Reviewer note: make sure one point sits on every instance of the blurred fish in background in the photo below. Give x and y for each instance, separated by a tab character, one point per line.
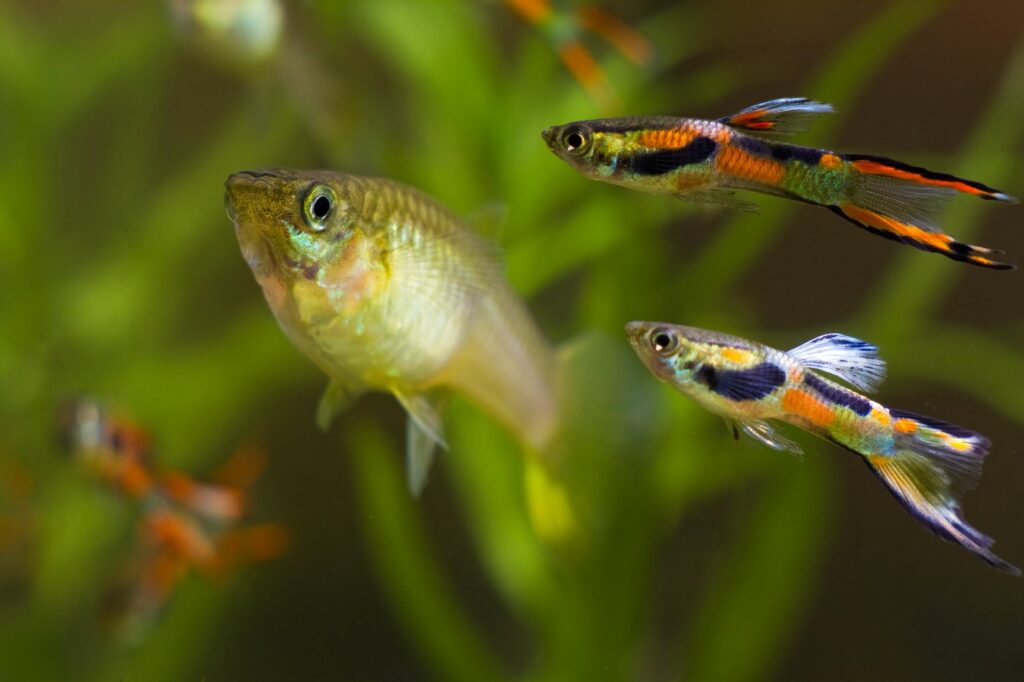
239	31
185	525
254	39
565	29
17	524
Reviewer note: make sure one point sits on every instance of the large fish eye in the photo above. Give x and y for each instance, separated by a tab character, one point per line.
318	206
663	341
576	139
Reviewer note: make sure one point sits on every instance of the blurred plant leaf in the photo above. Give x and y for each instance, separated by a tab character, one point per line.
409	576
748	612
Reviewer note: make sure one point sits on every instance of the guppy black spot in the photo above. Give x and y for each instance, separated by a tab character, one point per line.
707	375
667	160
745	384
311	271
785	152
755	146
838	396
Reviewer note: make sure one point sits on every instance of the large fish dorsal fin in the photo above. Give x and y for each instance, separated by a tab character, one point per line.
786	116
852	360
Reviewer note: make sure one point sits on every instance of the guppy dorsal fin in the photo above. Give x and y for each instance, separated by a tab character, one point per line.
785	116
852	360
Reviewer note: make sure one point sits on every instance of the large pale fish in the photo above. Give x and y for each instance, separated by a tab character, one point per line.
386	290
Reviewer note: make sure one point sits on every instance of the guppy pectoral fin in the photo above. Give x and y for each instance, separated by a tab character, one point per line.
336	398
734	429
423	432
785	116
718	197
763	432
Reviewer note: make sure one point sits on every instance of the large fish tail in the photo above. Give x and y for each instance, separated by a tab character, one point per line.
507	367
903	203
933	461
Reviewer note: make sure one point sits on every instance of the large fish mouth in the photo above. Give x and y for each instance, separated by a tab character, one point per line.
247	184
246	193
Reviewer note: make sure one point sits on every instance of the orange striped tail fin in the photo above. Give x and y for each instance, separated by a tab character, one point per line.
932	462
879	165
903	203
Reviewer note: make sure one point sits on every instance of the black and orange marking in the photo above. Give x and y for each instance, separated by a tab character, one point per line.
936	242
879	165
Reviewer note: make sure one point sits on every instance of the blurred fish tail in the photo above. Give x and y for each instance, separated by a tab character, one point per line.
931	463
508	368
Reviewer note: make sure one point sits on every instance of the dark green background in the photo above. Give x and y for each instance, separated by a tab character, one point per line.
694	557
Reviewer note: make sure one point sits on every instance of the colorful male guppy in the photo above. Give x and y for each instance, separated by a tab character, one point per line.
924	462
384	289
702	161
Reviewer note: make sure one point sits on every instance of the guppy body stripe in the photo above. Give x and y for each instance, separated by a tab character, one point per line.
729	159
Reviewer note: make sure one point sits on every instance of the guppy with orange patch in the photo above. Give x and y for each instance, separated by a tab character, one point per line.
924	462
703	160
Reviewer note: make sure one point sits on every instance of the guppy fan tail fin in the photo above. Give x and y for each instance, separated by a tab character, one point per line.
934	462
904	203
785	116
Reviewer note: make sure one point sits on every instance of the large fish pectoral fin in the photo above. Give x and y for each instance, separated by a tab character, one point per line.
336	398
765	433
424	432
420	448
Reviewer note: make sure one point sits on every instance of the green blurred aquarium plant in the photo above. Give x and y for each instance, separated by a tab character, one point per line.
655	548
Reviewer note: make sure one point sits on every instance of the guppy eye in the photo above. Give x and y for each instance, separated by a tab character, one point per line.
663	341
575	139
317	207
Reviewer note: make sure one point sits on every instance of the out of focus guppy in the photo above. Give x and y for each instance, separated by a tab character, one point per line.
924	462
385	290
703	161
185	524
